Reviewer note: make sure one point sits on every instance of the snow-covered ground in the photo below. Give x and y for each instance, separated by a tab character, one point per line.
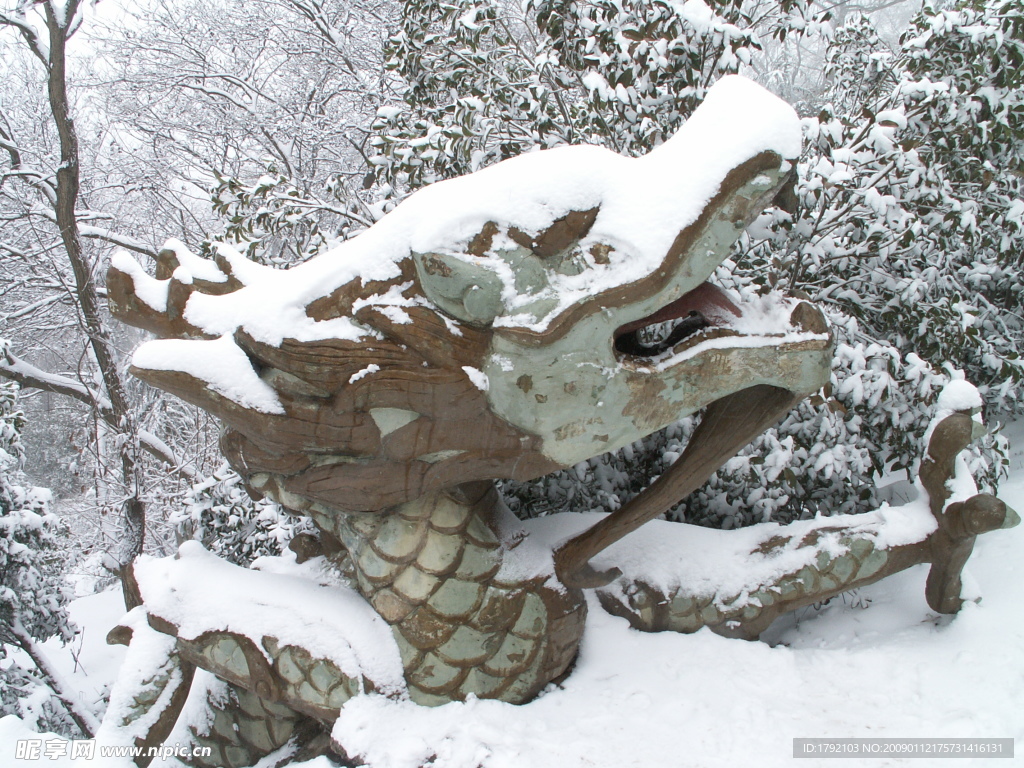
891	669
883	666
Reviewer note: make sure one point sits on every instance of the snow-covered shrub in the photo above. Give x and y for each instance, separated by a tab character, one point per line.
909	214
644	67
33	594
482	82
906	230
224	517
275	223
828	454
472	98
24	694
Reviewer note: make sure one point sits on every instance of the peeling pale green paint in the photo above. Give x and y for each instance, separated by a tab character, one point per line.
226	653
681	604
480	683
513	656
375	568
480	532
254	732
860	548
439	552
338	697
436	456
612	403
287	668
531	621
414	584
390	419
323	675
424	699
710	614
843	568
224	726
622	401
397	539
448	515
468	647
456	598
307	692
476	563
809	578
410	654
448	281
872	563
788	588
434	672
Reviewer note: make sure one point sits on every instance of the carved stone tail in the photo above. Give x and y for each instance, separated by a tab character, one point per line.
847	554
961	522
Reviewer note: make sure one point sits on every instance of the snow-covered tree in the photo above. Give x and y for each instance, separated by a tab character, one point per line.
47	233
265	104
33	593
909	215
904	231
481	82
70	187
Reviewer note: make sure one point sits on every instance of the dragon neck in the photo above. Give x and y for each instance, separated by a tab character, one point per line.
432	569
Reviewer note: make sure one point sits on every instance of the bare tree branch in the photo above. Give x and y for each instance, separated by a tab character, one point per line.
31	377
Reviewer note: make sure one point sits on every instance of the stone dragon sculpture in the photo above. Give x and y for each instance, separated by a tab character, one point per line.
489	328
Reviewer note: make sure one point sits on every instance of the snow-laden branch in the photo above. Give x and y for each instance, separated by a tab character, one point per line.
313	10
218	93
33	306
32	176
100	233
109	236
16	18
28	375
44	182
84	719
26	255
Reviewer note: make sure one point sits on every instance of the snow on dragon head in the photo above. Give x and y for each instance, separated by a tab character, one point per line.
491	326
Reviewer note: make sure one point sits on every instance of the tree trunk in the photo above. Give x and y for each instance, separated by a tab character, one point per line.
59	27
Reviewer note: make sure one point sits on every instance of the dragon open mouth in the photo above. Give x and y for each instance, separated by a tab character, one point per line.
707	309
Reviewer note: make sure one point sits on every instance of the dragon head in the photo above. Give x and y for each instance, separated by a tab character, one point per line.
491	326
